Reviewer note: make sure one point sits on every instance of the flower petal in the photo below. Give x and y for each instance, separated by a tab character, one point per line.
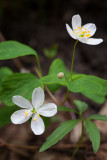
94	41
76	21
37	125
70	31
21	116
90	27
37	97
82	39
21	102
47	110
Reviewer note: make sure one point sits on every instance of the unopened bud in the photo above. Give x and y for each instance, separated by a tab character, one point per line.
60	75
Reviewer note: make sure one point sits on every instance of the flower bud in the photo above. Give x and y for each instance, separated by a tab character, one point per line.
60	75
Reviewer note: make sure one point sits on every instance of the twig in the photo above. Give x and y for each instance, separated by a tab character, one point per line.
18	151
48	91
13	148
52	96
63	146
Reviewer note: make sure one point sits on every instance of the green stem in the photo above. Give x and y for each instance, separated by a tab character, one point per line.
67	92
80	141
66	97
38	63
73	59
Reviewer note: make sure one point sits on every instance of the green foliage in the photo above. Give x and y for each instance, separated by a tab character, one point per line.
66	109
51	52
92	87
94	134
46	121
18	84
82	106
5	114
58	66
98	98
58	134
53	87
52	79
4	72
13	49
98	117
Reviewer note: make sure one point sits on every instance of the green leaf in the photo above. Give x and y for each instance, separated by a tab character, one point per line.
92	87
58	134
52	78
58	66
88	84
66	109
51	52
18	84
98	117
53	87
82	106
4	71
13	49
95	97
46	121
94	134
5	114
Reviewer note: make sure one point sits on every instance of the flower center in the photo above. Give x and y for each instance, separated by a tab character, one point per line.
82	33
34	110
26	113
38	115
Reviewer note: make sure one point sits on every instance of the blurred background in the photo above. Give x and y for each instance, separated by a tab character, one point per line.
41	24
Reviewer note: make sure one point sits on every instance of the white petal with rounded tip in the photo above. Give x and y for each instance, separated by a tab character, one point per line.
94	41
70	31
76	21
37	97
47	110
37	125
90	27
20	117
21	102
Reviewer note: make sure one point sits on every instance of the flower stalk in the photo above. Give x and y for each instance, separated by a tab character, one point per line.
73	59
81	138
39	66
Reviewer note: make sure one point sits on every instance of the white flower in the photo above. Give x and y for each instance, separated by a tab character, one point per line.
83	33
35	110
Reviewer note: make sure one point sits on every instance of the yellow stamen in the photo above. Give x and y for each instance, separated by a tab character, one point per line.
34	112
81	33
34	119
79	27
26	113
38	115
